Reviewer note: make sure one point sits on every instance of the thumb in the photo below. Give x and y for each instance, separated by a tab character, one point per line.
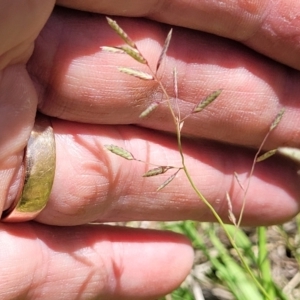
21	23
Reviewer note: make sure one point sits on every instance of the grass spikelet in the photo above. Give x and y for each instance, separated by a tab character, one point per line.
175	79
292	153
164	49
209	99
112	49
181	125
124	36
231	216
136	73
274	124
175	84
266	155
167	181
135	54
277	119
149	109
236	176
157	171
119	151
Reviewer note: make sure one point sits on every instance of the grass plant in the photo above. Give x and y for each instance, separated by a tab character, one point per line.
245	273
217	273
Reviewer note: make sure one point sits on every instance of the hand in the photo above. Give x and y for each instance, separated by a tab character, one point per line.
79	85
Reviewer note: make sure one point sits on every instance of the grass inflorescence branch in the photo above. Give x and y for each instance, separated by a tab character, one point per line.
132	50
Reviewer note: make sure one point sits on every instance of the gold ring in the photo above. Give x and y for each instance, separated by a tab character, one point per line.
39	168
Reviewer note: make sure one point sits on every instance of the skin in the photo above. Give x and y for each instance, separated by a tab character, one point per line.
51	61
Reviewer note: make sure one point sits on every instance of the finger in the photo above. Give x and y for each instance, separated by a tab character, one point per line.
267	27
21	22
106	187
79	82
18	103
106	262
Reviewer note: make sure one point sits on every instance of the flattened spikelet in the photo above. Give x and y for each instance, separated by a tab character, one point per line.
266	155
164	49
175	78
236	175
231	216
292	153
112	49
181	125
135	54
277	119
209	99
136	73
157	171
149	109
166	182
124	36
119	151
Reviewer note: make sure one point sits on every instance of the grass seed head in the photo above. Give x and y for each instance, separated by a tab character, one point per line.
266	155
124	36
175	79
119	151
136	73
164	49
165	183
135	54
112	49
157	171
208	100
149	109
277	119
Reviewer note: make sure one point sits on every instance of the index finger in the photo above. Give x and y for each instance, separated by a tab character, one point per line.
265	26
77	81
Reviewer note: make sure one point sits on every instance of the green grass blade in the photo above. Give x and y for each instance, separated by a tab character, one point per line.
264	263
234	275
